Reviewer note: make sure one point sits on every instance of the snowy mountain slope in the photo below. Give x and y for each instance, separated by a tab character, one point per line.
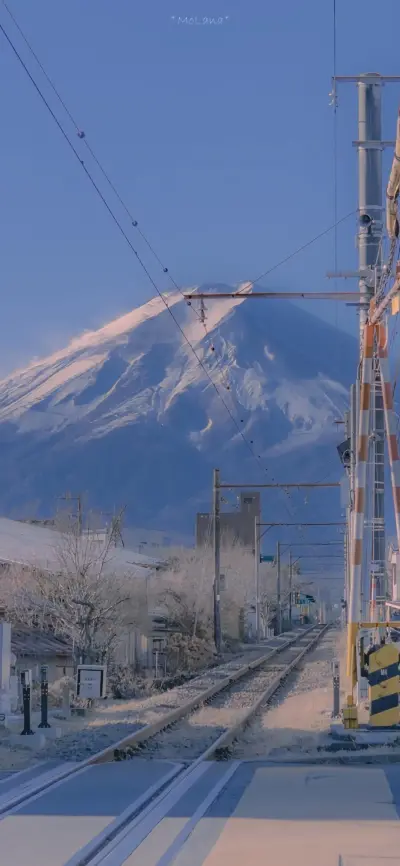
129	415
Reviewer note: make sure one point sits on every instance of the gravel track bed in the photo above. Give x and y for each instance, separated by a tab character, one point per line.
296	721
117	721
188	738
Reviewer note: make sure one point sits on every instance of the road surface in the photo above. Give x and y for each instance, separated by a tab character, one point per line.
236	812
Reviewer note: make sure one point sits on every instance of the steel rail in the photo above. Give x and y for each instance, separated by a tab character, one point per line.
106	842
179	713
10	801
227	738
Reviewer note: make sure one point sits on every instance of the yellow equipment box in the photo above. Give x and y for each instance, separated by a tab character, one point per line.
350	717
384	683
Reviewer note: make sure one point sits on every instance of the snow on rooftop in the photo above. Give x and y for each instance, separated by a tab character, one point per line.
36	546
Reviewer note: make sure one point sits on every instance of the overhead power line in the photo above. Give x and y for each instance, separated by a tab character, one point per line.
127	240
300	249
134	222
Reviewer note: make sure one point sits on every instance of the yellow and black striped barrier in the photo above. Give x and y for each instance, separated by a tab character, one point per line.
384	683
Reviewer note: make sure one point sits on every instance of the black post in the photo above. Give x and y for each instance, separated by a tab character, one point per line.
26	699
44	695
336	689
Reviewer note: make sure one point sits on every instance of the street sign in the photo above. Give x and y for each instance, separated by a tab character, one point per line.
264	558
302	599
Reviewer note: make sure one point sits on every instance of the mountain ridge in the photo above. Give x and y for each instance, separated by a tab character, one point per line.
128	414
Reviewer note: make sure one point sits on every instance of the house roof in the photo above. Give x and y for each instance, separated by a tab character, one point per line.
36	546
33	642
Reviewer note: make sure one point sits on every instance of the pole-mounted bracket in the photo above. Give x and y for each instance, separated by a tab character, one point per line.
373	145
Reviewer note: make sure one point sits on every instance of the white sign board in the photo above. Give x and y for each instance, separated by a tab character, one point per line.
91	681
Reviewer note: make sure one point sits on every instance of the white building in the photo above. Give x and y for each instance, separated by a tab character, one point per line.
36	546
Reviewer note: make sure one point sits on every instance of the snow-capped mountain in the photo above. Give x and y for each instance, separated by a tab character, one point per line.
128	413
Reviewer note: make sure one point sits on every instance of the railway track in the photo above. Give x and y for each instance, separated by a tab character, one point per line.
237	696
211	728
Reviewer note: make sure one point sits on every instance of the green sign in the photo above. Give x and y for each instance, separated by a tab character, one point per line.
264	558
303	599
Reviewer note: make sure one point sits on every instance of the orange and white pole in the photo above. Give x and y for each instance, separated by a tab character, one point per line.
390	422
359	500
393	187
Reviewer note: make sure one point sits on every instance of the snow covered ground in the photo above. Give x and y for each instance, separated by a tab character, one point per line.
110	722
295	722
298	718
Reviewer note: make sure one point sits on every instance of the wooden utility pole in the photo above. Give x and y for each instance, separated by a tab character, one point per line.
217	558
278	589
78	499
257	575
216	526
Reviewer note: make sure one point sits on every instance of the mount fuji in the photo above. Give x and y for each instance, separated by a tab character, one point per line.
127	414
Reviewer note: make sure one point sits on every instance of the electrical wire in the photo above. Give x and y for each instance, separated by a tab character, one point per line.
335	165
105	174
298	250
134	222
128	241
82	136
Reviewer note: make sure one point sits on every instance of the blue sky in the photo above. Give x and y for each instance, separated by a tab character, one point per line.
219	137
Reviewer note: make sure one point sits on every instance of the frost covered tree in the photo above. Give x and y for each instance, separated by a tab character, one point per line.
185	588
82	599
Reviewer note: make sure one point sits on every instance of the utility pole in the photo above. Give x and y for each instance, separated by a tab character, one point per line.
216	524
217	558
290	588
278	589
370	262
257	575
78	499
369	240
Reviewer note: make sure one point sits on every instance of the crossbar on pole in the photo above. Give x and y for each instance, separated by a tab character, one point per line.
268	486
283	296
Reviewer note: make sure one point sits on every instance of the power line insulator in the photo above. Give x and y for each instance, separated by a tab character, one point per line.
134	223
80	133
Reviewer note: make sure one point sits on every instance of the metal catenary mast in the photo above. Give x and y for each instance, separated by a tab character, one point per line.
372	275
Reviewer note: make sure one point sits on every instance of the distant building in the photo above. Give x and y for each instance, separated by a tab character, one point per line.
35	546
151	542
238	524
33	648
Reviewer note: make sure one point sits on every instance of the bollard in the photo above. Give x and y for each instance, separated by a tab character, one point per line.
44	697
26	701
336	688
